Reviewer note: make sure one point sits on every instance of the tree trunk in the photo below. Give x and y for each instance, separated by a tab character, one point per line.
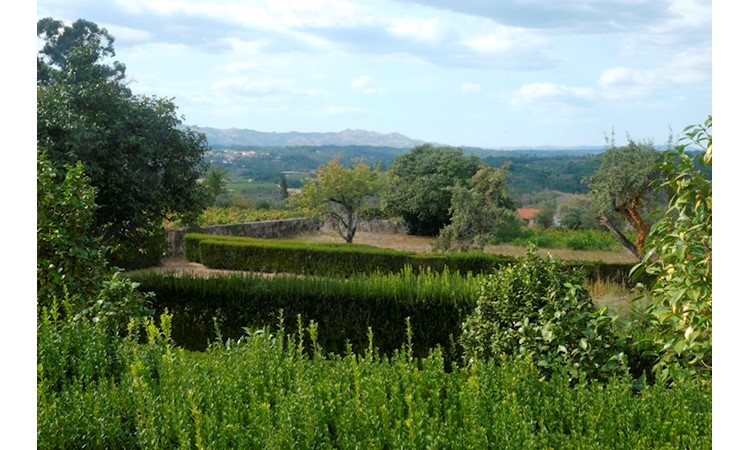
640	226
620	237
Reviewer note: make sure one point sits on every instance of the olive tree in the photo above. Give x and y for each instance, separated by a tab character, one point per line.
478	212
340	193
622	186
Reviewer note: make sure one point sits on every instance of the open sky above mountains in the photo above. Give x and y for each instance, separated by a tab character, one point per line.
475	72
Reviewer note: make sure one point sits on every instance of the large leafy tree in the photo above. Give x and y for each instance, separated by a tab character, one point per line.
339	193
420	188
622	188
62	48
144	166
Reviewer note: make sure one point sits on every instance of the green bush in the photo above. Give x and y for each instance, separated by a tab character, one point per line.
73	277
267	391
536	309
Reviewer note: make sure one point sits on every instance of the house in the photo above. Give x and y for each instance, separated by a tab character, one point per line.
528	215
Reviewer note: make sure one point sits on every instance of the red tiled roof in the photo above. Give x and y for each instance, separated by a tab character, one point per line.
527	213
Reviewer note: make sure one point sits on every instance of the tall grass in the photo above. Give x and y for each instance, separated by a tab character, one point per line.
617	297
268	392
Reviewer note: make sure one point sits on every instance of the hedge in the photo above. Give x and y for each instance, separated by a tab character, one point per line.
283	256
435	303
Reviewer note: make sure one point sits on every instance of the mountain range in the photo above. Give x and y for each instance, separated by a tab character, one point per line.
244	137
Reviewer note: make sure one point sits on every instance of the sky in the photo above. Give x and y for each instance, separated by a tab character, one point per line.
492	74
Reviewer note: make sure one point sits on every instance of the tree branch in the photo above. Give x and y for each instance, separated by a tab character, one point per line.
620	236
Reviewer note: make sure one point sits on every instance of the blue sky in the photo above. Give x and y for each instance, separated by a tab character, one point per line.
470	73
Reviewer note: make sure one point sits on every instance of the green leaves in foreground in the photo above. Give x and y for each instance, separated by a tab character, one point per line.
678	307
267	391
537	309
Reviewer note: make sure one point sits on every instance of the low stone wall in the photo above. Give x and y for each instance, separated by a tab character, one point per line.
373	226
266	229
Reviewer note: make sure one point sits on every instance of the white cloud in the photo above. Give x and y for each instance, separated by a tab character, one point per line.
365	84
431	30
246	87
551	94
683	69
469	88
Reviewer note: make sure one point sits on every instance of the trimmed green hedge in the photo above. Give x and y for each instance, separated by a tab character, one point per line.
282	256
436	304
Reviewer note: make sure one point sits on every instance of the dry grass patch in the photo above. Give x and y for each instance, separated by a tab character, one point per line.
423	244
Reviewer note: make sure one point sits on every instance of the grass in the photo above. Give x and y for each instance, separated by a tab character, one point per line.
616	297
423	244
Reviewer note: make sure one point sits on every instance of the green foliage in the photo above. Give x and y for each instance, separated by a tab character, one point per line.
533	172
478	212
66	45
70	259
577	214
144	166
623	186
216	181
340	193
535	309
545	217
560	238
73	280
678	305
419	191
269	391
216	215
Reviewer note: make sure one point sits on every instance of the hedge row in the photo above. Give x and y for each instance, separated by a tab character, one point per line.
436	304
281	256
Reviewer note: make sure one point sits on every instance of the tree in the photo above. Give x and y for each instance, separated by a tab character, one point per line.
576	214
478	212
63	46
144	166
420	186
545	217
216	181
678	255
623	185
340	193
283	186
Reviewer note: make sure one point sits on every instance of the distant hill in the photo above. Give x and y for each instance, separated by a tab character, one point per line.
251	138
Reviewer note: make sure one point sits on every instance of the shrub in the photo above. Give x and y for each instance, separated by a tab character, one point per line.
73	277
536	309
677	308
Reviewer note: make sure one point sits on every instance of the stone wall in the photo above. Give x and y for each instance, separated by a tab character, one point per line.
373	226
266	229
275	229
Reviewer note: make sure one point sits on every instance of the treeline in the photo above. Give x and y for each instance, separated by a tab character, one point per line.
527	173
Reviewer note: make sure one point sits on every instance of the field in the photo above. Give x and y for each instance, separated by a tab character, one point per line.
423	244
